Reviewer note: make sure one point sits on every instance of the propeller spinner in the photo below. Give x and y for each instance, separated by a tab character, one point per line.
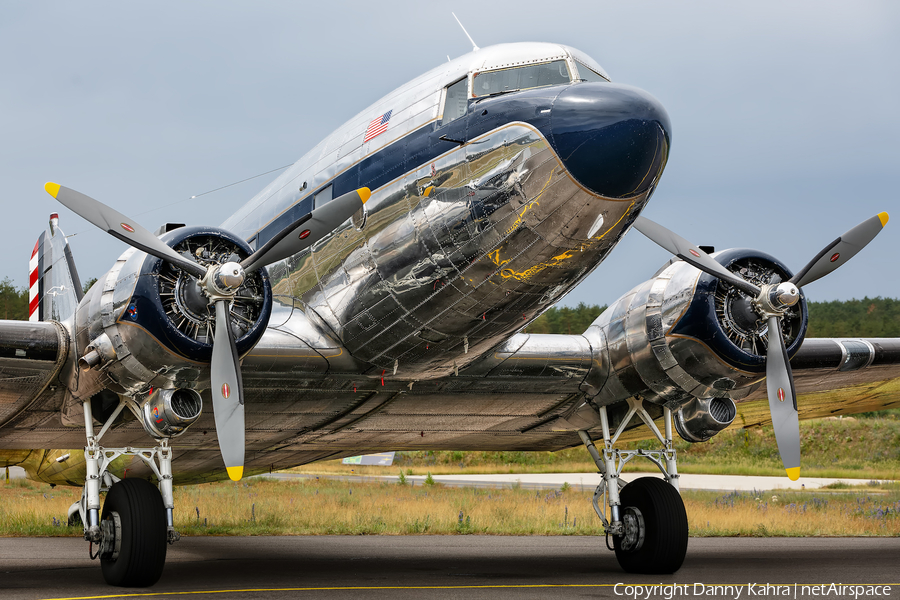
769	303
219	284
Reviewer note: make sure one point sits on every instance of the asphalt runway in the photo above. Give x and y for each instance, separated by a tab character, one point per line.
447	567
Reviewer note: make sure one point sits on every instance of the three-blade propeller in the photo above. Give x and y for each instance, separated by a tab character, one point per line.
220	283
769	302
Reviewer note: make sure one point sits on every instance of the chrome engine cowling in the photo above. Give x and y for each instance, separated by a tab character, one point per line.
147	324
685	335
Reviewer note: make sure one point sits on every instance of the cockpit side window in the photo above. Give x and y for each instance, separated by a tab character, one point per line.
455	100
588	74
520	78
323	197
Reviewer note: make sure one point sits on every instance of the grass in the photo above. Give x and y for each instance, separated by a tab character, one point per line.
852	448
866	512
319	507
867	448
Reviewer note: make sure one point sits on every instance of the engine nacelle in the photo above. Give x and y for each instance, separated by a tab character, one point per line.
147	324
685	336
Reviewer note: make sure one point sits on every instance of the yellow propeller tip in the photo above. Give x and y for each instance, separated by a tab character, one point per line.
52	188
364	193
883	217
793	473
235	473
428	190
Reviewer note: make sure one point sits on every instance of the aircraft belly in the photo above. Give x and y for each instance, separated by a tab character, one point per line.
505	401
457	255
287	426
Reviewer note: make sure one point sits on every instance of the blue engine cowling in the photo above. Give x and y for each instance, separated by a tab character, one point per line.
685	335
149	324
721	316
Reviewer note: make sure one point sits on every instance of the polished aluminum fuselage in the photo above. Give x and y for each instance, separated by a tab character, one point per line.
457	252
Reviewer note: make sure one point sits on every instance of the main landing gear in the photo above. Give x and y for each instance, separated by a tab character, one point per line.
646	517
131	534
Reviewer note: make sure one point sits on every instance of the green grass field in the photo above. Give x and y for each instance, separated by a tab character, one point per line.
320	507
866	447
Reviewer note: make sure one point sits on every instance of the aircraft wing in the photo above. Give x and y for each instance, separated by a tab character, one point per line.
305	402
836	377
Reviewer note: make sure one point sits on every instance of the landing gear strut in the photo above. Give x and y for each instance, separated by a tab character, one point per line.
131	533
646	517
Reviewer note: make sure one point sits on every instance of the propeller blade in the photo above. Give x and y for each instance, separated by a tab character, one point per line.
227	394
840	250
118	225
783	401
313	227
691	254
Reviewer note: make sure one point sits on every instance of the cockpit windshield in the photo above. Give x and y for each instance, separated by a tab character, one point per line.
520	78
588	74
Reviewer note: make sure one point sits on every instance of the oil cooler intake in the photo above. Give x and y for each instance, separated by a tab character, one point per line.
167	413
702	418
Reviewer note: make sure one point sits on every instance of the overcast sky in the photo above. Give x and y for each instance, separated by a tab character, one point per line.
785	115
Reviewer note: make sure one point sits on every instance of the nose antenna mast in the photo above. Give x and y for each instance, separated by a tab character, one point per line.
474	45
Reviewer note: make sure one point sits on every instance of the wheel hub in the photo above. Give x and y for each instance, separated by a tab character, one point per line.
633	521
111	543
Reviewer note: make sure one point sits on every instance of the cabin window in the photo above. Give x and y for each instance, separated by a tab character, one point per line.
455	101
520	78
588	74
322	198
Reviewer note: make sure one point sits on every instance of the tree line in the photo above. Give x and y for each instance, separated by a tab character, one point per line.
14	301
869	317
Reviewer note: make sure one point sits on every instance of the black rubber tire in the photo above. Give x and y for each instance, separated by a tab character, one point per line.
666	528
142	554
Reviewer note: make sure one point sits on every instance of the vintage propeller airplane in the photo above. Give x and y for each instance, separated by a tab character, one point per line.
371	298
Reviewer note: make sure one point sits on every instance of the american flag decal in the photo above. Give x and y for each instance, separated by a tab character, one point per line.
378	126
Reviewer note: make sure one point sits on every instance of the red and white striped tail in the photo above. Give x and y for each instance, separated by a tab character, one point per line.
53	287
34	283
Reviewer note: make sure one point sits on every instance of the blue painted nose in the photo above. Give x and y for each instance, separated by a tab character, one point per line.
614	139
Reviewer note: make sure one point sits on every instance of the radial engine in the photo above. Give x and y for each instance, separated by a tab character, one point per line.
146	312
689	341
